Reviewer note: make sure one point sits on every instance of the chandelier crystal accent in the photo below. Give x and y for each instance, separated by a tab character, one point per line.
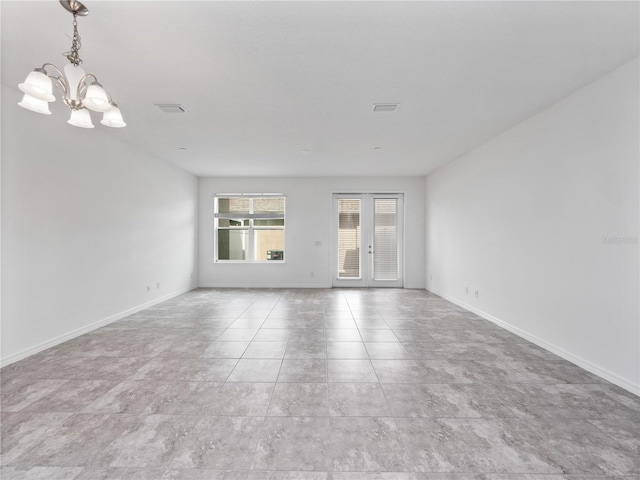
80	91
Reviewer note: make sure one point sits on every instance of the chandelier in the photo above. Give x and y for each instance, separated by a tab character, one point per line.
80	91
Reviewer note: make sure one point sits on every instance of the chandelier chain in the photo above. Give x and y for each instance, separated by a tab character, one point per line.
74	54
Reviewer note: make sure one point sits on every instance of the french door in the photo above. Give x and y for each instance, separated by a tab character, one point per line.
367	240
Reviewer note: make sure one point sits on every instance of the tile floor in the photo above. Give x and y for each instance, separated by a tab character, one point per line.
311	385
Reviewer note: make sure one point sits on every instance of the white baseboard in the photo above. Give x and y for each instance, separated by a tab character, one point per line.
581	362
27	352
260	285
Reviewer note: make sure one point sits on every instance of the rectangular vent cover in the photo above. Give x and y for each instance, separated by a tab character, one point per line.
171	108
385	107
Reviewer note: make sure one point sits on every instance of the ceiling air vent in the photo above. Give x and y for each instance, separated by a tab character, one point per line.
385	107
171	108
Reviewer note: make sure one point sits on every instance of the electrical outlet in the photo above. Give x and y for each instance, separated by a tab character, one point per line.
477	294
158	285
148	288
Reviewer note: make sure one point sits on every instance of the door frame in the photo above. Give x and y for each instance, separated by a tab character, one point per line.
366	238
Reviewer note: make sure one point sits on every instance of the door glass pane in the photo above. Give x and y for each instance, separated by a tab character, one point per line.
232	244
348	238
269	244
385	239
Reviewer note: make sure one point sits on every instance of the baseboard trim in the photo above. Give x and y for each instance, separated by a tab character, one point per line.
27	352
575	359
260	285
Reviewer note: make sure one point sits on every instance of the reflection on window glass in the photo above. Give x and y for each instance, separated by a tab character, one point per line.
272	222
267	242
233	205
225	222
268	205
232	244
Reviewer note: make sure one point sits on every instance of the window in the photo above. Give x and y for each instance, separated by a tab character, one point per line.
249	228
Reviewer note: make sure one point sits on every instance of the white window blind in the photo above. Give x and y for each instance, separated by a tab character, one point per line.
348	238
385	239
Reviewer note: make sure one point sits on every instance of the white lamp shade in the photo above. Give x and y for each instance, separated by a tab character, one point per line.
39	86
80	118
113	118
34	104
96	99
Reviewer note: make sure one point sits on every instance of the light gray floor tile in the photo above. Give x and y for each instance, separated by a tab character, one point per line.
289	475
23	431
343	335
255	370
303	370
357	400
367	444
386	351
220	443
374	476
184	398
294	443
248	323
181	348
238	335
72	396
307	335
77	441
351	371
265	350
133	396
225	349
371	323
346	350
306	349
242	399
40	473
208	369
20	393
378	335
300	400
272	335
173	393
112	473
472	445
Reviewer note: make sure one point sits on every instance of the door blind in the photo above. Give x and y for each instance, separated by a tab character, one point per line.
385	239
349	238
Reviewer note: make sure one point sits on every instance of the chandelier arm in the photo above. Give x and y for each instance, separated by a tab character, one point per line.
88	75
82	86
58	71
61	82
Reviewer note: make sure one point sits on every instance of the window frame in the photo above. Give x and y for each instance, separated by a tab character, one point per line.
247	224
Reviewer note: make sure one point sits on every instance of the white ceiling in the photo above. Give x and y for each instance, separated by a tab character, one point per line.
287	88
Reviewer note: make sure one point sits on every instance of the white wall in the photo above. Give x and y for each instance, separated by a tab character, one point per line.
309	204
543	222
87	224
